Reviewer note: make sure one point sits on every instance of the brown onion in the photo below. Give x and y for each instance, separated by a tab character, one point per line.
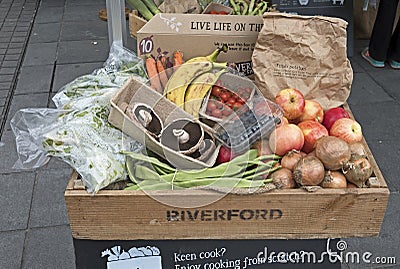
351	186
309	171
290	159
312	153
334	180
283	179
357	170
332	151
358	149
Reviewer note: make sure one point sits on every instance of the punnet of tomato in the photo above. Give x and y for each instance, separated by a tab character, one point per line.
255	119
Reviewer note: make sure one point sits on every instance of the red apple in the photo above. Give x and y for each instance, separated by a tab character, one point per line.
347	129
312	131
225	155
312	111
292	103
333	114
285	138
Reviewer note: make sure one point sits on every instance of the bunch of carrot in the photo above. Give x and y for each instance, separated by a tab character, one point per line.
159	69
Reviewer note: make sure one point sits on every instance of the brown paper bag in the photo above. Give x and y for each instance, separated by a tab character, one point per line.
303	52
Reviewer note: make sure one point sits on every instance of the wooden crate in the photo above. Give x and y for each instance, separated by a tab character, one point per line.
285	214
135	23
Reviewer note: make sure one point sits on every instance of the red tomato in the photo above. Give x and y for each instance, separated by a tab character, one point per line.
216	113
241	101
218	104
213	12
218	83
225	96
222	13
226	111
231	101
216	90
211	106
237	105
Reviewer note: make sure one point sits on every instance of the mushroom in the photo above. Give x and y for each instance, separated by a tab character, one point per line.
145	115
182	135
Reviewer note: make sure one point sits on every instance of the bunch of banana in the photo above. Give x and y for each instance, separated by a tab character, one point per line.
180	80
198	89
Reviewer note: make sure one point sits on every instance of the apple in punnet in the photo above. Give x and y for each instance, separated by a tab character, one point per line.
312	131
286	137
333	114
312	111
291	101
347	129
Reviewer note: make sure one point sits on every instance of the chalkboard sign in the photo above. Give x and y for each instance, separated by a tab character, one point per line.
209	254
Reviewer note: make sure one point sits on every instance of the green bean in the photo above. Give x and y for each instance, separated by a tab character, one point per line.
213	172
262	10
145	173
236	8
244	5
258	7
264	167
251	6
160	170
257	174
152	160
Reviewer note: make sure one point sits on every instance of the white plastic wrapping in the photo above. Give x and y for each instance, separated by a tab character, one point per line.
77	131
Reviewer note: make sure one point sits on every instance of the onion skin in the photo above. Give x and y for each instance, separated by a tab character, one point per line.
290	159
309	171
283	179
357	149
333	152
334	180
357	170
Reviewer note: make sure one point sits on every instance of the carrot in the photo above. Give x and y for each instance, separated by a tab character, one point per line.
164	62
154	78
161	72
178	59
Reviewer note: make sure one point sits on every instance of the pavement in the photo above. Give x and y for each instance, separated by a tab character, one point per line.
44	44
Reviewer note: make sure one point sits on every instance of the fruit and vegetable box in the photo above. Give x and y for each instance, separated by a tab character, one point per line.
223	156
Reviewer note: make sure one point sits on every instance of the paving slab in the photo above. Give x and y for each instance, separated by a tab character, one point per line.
9	149
84	30
28	81
45	32
49	247
77	13
365	91
85	51
48	14
16	195
40	54
48	204
82	2
379	120
34	100
52	3
66	73
387	155
386	245
11	244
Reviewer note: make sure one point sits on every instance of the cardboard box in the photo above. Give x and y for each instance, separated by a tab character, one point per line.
135	92
278	214
135	23
200	35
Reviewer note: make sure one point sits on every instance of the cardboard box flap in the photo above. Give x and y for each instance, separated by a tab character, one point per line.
171	23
